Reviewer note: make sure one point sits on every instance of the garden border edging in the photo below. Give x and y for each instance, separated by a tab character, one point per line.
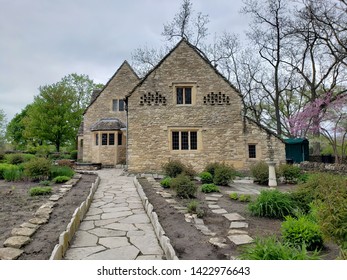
66	236
159	231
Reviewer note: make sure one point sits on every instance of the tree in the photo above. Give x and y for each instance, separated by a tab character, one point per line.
327	116
15	130
54	116
2	128
82	86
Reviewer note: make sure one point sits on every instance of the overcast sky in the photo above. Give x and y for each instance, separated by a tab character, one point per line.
41	41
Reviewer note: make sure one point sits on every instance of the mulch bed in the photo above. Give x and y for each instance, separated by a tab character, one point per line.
191	244
17	207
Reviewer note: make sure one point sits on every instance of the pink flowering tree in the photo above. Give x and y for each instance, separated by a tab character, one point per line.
327	117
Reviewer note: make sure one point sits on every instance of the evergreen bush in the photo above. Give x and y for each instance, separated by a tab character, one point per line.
37	169
260	172
206	177
183	186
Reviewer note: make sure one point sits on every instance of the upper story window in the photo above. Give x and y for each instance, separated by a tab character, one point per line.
118	105
184	95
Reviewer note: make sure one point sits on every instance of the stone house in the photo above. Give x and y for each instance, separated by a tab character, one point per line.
182	109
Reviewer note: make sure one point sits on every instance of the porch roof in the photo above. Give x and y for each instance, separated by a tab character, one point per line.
108	124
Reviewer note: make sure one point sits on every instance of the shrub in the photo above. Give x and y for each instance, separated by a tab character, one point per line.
73	154
234	196
14	158
206	177
245	198
40	191
260	172
183	186
207	188
65	162
173	168
272	249
302	232
61	179
211	167
3	168
223	174
192	206
189	171
165	183
37	169
45	183
272	204
291	173
13	174
56	171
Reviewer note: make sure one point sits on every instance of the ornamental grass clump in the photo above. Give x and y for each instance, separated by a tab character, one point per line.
272	204
61	179
13	174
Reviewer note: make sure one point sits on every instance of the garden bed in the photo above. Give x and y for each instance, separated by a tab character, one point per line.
17	207
190	243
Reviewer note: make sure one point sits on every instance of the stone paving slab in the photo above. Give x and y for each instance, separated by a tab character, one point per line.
10	253
240	239
234	217
234	225
219	211
213	206
16	241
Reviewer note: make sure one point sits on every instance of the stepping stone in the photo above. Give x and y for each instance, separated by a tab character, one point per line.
218	242
234	217
219	211
171	201
238	225
216	195
23	231
213	206
38	221
10	253
210	198
17	241
240	239
237	232
29	225
198	221
55	197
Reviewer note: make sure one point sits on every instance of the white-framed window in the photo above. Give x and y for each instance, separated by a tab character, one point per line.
184	140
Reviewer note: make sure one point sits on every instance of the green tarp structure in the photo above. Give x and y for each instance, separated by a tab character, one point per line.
297	150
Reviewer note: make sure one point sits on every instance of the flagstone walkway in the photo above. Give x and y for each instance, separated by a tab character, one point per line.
116	226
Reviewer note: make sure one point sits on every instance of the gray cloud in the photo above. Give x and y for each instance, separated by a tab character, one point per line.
42	41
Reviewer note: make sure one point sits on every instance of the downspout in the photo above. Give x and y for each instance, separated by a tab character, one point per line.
127	139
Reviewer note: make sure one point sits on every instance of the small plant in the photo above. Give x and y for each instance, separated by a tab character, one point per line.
291	173
183	186
272	204
272	249
223	174
56	171
302	231
260	172
245	198
166	182
207	188
234	196
45	183
192	206
61	179
37	169
200	213
206	177
40	191
13	174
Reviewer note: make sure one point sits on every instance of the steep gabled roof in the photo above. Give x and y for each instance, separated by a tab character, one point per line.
198	51
96	96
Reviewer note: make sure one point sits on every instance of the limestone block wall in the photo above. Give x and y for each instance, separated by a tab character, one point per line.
220	126
118	86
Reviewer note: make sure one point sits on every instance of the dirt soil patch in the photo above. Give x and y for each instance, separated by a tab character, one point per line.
17	207
191	244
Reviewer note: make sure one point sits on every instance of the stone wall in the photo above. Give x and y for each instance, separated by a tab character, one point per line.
324	167
118	86
220	126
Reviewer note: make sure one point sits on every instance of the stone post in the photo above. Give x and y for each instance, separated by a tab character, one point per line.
272	174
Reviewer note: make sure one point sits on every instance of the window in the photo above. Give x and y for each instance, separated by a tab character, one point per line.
111	139
104	139
184	95
81	143
118	105
97	139
184	140
120	139
252	152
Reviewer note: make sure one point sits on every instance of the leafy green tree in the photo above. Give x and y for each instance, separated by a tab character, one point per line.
2	128
15	130
54	116
82	86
